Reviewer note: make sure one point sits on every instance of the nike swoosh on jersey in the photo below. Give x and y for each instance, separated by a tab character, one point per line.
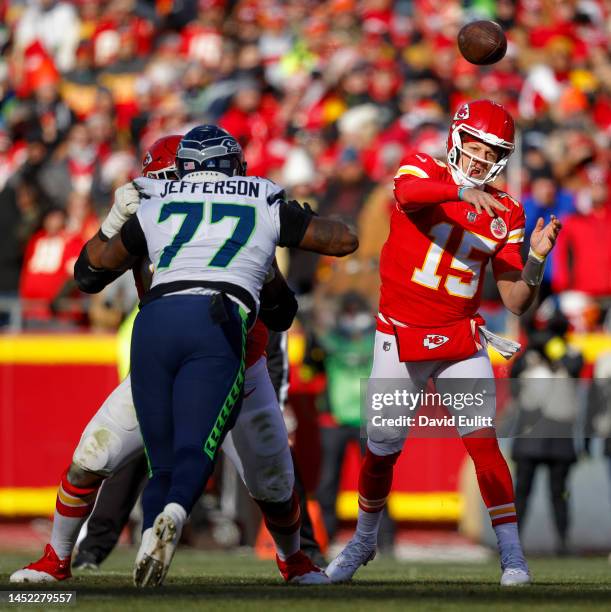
250	392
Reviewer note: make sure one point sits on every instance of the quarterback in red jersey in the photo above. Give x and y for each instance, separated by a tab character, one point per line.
449	222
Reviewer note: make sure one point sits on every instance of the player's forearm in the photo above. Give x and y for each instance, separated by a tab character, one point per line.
329	237
519	297
94	247
518	289
411	193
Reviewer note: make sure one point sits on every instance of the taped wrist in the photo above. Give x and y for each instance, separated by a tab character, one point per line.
90	279
532	274
113	223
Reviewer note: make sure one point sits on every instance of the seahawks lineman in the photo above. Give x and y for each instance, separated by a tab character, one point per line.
211	237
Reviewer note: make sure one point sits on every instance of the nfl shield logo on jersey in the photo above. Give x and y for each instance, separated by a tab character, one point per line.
471	216
498	228
433	341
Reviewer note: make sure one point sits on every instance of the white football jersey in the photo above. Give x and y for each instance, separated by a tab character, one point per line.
221	230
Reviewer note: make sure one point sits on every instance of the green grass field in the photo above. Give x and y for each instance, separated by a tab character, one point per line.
231	581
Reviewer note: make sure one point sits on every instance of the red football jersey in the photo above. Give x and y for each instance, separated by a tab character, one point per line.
433	261
256	342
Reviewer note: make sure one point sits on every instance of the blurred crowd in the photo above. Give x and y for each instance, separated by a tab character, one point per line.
325	97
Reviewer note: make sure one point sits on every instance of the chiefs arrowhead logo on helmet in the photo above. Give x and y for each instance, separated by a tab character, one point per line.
160	160
462	113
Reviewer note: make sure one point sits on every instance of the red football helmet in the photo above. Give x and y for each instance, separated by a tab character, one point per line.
486	121
160	160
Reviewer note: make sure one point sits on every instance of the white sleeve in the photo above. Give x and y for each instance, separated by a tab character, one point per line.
275	197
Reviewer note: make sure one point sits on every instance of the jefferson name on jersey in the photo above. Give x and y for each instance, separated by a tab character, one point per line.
218	231
241	187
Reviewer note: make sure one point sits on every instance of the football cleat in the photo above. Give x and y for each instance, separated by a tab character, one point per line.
514	576
156	551
514	567
299	569
356	553
85	560
49	568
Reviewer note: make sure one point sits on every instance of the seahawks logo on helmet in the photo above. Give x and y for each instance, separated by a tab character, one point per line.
208	148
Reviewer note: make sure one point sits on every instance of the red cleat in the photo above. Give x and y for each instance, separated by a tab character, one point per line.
299	569
49	568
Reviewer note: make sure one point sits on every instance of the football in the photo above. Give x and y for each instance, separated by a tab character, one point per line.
482	42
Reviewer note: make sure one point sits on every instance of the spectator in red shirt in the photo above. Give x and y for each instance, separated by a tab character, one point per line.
583	253
48	265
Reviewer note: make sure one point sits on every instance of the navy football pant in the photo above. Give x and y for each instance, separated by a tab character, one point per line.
187	371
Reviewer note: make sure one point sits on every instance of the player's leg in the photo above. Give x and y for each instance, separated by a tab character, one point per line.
278	369
333	444
155	356
264	462
558	475
200	342
113	507
110	439
525	475
384	444
475	375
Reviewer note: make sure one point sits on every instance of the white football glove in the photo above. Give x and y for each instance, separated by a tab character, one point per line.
127	201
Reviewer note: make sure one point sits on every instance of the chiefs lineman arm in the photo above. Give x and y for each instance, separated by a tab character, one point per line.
415	188
89	274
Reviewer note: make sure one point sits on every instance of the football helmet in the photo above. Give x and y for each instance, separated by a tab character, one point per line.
481	120
207	151
160	160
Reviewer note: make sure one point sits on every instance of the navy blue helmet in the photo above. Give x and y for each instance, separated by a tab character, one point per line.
208	148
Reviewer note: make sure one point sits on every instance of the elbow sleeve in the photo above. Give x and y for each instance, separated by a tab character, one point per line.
90	279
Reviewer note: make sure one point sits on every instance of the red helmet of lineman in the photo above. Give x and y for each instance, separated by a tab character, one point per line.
480	120
160	160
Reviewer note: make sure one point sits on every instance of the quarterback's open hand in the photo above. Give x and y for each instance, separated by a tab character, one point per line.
482	200
542	239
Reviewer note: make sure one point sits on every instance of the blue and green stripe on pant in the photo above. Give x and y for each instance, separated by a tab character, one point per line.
187	376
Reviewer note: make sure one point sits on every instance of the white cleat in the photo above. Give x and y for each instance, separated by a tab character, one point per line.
311	578
355	554
156	551
514	576
32	576
514	567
